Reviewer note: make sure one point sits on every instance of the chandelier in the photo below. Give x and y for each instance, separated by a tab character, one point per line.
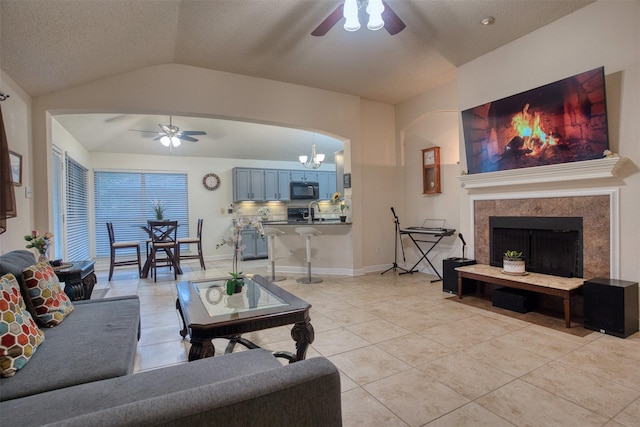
373	7
315	160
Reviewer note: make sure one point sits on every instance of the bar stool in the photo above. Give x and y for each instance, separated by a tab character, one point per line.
307	232
272	233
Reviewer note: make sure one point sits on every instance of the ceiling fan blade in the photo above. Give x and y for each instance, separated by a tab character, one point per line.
145	131
329	22
187	138
392	22
193	132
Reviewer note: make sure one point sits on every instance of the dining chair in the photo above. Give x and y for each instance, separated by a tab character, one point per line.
194	240
115	246
164	250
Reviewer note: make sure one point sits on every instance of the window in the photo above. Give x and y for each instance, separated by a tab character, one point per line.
124	198
77	219
57	199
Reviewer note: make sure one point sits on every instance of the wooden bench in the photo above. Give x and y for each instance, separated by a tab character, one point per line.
564	287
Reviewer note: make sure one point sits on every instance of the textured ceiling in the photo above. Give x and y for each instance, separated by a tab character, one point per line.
47	46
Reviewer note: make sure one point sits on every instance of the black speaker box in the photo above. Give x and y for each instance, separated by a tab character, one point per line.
611	306
513	299
450	276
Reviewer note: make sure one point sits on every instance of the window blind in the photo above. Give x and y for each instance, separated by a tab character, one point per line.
125	199
58	203
77	211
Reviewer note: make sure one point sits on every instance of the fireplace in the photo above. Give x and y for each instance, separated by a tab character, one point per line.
549	245
598	218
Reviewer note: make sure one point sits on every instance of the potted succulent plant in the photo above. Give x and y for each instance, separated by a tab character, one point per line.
513	263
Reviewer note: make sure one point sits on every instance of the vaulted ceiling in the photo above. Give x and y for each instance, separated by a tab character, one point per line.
47	46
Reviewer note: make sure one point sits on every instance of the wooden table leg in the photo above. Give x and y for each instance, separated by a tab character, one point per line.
459	285
200	349
303	334
567	311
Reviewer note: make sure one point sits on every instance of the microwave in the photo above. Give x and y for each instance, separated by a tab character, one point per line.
304	190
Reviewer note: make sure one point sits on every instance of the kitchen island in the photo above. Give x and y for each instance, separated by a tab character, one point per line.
331	250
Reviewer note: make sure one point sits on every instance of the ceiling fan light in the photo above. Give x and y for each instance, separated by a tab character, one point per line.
351	15
175	141
165	141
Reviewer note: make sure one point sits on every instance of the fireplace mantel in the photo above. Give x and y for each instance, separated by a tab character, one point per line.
588	169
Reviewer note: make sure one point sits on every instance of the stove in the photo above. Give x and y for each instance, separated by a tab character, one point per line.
299	214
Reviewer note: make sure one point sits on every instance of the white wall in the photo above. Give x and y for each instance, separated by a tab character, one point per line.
179	89
430	120
603	33
16	112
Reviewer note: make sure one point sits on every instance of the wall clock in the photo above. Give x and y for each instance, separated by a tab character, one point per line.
431	170
211	181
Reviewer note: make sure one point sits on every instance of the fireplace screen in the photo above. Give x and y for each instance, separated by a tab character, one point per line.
561	122
549	245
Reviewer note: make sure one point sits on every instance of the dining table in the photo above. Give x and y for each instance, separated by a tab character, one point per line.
147	264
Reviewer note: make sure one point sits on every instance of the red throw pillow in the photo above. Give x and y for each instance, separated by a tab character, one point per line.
51	303
19	334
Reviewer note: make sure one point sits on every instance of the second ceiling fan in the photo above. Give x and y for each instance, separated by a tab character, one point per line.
171	136
380	14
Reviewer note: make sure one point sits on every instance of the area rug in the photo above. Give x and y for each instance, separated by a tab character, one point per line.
546	318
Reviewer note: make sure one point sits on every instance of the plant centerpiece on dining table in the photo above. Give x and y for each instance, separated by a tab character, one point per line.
158	209
235	283
513	263
40	243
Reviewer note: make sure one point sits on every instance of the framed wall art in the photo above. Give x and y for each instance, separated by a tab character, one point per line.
16	168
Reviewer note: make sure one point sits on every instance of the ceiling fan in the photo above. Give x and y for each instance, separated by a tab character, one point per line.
392	23
171	136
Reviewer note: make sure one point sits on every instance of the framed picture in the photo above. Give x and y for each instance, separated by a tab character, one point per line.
16	168
346	180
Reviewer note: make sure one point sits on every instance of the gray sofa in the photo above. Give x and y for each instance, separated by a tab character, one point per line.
81	375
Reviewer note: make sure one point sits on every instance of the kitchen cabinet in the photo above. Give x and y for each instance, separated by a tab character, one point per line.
276	183
326	185
255	245
284	179
260	185
248	184
304	176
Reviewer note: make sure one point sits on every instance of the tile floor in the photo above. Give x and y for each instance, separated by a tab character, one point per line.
408	356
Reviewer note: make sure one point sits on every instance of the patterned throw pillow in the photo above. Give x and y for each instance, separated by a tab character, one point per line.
49	300
19	334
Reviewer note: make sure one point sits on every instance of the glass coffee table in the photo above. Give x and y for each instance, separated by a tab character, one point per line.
207	312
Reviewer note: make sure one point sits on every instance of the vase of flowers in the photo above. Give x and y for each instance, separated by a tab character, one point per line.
264	212
158	209
40	243
235	283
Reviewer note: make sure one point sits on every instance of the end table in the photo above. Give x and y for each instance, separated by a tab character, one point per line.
79	278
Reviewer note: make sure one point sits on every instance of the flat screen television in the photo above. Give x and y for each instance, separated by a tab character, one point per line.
564	121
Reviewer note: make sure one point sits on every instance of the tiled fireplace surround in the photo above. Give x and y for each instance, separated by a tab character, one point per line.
595	209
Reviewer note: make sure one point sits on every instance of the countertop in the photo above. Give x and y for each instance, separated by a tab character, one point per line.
303	223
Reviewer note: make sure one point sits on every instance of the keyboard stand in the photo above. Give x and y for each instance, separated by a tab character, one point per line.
438	235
